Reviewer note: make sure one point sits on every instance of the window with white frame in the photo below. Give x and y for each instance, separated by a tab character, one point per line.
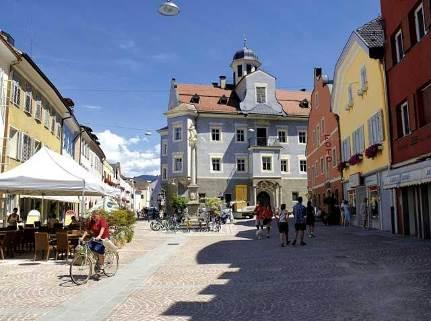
46	116
420	22
215	134
302	136
26	148
240	135
164	173
178	164
285	165
364	79
58	128
399	46
38	111
302	166
28	102
282	136
53	120
375	128
216	164
266	163
241	164
346	150
178	133
16	93
37	145
14	143
405	119
164	148
260	95
358	140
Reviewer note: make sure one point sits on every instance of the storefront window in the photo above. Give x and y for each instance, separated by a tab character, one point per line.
373	200
352	201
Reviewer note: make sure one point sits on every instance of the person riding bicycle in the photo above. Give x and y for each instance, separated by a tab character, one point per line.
99	229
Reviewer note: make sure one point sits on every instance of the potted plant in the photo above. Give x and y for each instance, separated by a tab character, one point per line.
342	165
372	150
355	159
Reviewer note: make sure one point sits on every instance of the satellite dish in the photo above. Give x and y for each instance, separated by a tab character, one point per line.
168	8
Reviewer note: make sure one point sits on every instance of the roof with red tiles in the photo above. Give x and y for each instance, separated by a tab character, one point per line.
209	99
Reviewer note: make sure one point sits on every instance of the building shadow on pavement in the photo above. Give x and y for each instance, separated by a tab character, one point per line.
343	274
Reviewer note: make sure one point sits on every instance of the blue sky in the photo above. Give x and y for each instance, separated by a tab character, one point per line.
115	59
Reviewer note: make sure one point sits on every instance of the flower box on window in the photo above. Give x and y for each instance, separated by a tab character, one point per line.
355	159
372	150
342	165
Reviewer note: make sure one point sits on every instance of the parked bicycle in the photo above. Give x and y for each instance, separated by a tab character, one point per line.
85	264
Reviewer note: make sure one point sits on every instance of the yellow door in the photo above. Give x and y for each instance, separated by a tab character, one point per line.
241	193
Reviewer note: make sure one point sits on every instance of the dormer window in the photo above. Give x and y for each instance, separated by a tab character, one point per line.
223	100
260	95
195	99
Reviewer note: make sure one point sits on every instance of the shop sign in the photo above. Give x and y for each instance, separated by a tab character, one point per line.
355	180
392	181
328	148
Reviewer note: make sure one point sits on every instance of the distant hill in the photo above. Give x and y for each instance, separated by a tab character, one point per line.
145	178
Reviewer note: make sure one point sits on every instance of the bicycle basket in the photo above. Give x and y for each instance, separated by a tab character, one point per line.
97	247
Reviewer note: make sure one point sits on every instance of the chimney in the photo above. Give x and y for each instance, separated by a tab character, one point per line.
7	37
223	82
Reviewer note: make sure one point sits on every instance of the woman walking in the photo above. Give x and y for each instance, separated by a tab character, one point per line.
267	219
283	225
310	219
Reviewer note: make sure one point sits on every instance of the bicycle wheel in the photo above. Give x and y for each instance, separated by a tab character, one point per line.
111	264
80	269
155	226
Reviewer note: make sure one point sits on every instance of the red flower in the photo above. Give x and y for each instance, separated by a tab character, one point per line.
372	150
341	166
355	159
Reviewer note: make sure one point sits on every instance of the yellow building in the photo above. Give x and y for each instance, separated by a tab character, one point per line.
359	99
34	114
33	118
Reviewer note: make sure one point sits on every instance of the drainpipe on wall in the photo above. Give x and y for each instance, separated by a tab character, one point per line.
388	128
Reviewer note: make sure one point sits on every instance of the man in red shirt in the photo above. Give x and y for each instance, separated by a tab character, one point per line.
99	229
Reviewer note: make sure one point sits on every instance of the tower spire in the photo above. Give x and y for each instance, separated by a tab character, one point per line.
245	42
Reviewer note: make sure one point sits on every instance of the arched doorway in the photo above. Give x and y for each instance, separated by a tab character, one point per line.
263	198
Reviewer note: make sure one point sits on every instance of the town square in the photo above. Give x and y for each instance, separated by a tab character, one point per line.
185	160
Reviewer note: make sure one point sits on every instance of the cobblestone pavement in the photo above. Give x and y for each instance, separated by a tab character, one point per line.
342	274
28	289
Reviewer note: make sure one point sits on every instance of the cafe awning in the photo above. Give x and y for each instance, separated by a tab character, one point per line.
49	173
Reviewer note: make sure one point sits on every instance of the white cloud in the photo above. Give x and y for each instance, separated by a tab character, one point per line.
92	107
128	44
133	162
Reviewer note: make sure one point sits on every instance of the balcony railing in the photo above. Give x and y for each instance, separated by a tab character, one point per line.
264	141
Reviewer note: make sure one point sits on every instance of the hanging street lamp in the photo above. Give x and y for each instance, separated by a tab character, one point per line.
169	8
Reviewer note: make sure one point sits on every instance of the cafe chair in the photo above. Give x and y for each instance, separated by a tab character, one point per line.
7	244
41	245
63	245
